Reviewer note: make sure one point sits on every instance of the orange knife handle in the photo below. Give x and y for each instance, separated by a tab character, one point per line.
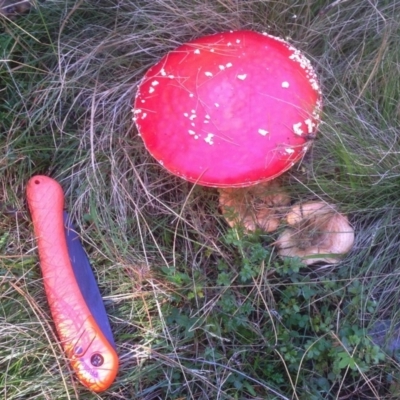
92	357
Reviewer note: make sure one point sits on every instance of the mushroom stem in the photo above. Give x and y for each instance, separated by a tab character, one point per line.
261	206
316	228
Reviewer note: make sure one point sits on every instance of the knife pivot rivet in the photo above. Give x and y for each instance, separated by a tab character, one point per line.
97	360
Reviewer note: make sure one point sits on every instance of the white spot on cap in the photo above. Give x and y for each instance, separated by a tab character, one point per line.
208	73
289	150
151	89
192	117
162	72
238	41
197	51
137	111
216	104
185	114
263	132
155	83
285	84
171	76
212	50
209	138
305	64
310	125
277	38
314	84
191	94
144	115
191	132
207	116
221	67
297	129
242	77
228	65
229	44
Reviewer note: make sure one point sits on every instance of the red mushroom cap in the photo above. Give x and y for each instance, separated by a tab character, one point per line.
230	109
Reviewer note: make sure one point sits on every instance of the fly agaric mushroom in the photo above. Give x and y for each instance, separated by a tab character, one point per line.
229	110
261	206
316	228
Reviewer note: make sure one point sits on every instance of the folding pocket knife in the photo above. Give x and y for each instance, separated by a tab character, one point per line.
73	295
